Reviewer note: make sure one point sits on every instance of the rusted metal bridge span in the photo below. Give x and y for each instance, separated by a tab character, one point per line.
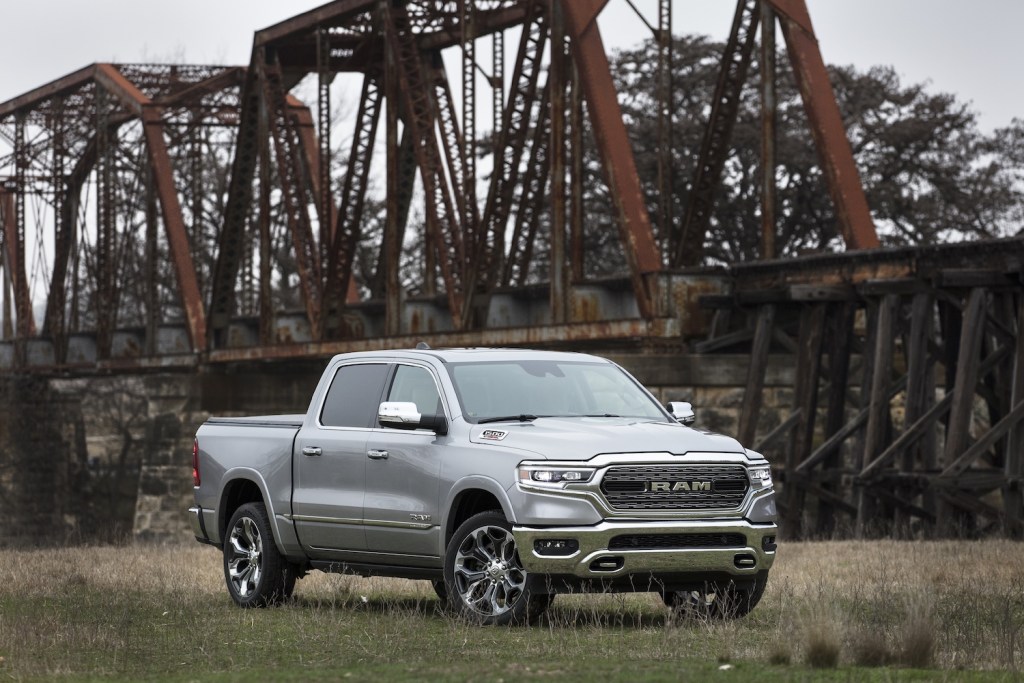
169	218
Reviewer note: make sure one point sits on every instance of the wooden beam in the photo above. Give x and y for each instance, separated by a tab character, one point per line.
839	348
920	386
917	430
1013	499
967	372
823	451
978	507
753	395
809	486
723	342
777	433
996	432
878	409
805	397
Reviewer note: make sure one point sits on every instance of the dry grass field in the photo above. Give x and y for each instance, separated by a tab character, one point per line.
877	610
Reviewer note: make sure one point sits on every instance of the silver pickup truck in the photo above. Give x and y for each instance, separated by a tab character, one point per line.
502	476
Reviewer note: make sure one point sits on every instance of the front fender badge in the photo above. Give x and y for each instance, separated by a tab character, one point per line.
493	434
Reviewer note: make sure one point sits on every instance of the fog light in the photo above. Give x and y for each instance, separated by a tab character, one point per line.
768	544
556	546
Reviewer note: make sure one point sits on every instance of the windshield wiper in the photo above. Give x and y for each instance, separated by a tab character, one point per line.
508	418
585	415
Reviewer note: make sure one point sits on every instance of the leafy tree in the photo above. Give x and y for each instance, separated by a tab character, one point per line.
930	173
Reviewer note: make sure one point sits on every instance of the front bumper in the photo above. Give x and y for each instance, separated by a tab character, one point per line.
594	560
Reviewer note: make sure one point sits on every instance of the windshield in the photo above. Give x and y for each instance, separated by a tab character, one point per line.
532	388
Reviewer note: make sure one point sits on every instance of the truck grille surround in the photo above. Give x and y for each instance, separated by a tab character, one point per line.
675	487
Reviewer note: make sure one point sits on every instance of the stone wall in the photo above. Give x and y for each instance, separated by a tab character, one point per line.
96	459
40	462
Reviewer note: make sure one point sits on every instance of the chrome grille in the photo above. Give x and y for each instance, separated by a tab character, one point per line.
625	487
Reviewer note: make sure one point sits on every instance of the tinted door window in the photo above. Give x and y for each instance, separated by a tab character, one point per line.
414	384
354	396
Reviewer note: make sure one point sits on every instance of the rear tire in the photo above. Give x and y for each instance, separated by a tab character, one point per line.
484	577
255	572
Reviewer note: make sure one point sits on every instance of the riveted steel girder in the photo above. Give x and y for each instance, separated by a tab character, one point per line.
834	150
109	77
641	250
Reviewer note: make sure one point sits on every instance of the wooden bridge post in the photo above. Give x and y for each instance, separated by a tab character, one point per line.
805	399
753	395
841	322
878	405
958	429
920	398
1013	500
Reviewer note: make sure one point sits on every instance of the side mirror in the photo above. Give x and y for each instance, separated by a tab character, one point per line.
405	415
682	411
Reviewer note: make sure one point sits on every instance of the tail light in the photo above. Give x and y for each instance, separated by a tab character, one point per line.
195	462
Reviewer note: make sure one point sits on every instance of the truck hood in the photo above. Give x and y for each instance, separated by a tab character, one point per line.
581	438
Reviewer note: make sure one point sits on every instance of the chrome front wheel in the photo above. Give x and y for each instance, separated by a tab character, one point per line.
485	577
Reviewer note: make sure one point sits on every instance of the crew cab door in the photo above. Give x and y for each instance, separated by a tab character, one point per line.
330	462
401	505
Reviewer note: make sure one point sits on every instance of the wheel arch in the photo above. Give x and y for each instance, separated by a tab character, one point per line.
241	487
470	496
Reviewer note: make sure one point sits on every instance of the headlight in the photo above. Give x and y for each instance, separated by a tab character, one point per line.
553	477
760	477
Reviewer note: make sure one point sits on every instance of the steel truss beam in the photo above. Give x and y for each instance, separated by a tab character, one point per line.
294	181
641	250
855	222
689	246
421	117
77	122
515	127
131	97
237	208
348	230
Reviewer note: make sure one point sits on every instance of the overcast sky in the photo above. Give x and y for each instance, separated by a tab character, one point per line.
971	49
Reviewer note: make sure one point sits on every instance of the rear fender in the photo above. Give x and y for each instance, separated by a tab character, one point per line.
248	474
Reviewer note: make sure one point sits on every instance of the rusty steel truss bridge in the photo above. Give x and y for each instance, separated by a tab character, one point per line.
175	217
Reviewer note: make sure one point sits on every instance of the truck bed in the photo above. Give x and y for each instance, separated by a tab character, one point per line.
255	449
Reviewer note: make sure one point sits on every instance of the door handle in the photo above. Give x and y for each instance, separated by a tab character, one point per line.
312	450
377	455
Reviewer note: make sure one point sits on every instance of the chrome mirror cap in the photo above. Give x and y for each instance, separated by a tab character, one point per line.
405	415
398	413
682	411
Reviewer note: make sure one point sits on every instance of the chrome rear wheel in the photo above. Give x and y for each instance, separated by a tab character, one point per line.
245	566
255	572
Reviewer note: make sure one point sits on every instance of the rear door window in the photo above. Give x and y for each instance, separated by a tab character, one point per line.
354	396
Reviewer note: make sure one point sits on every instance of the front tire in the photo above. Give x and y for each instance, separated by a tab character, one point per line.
484	577
254	570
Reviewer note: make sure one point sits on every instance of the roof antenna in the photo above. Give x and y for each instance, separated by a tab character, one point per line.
422	346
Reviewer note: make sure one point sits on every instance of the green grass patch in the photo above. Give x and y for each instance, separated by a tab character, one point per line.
162	613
